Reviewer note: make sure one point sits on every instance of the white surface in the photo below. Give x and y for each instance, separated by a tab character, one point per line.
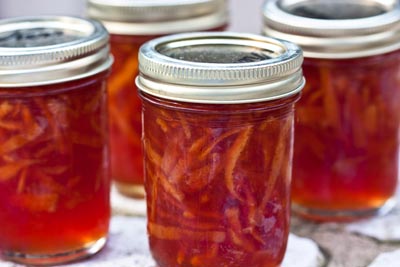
123	205
384	228
127	247
302	252
389	259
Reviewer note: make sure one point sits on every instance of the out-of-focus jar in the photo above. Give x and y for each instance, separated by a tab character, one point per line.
217	138
346	157
54	157
131	23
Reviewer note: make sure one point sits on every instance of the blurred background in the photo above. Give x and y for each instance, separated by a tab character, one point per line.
245	15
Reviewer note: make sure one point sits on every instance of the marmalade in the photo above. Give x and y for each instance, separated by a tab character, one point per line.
347	134
218	182
54	178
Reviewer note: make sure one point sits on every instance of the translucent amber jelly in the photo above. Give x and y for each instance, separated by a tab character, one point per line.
218	182
131	24
217	141
349	160
346	152
54	153
54	181
125	115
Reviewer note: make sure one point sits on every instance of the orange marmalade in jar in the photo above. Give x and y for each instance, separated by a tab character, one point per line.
346	155
132	23
217	138
54	158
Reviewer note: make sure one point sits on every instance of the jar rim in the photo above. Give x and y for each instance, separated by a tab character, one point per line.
158	17
335	28
220	67
51	49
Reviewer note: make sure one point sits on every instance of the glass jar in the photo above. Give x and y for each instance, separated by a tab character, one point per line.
54	158
346	156
132	23
217	137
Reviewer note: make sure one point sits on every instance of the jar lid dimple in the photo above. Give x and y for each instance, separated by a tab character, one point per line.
335	28
51	49
220	67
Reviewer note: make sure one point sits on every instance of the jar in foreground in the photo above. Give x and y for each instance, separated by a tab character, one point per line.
346	155
217	138
54	169
132	23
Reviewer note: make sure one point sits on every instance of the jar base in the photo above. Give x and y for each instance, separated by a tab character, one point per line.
53	259
130	190
324	215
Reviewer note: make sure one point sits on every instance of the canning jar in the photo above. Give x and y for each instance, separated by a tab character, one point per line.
346	155
54	169
217	137
132	23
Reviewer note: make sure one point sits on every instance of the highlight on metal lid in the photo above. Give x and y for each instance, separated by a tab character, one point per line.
47	50
335	28
220	67
158	17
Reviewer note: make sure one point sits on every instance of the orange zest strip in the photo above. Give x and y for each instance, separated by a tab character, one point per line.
177	233
153	196
93	104
185	125
5	109
233	155
331	104
22	180
170	158
235	230
55	170
124	76
169	188
198	144
227	134
17	141
176	174
180	256
277	161
10	125
254	217
120	121
188	223
210	172
46	202
27	116
152	155
210	254
163	125
316	96
74	181
10	170
371	119
356	112
45	150
50	111
203	214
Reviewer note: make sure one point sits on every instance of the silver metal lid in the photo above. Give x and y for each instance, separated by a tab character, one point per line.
220	67
335	28
156	17
48	50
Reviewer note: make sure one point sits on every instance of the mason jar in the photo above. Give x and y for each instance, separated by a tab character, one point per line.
346	155
217	137
131	23
54	158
